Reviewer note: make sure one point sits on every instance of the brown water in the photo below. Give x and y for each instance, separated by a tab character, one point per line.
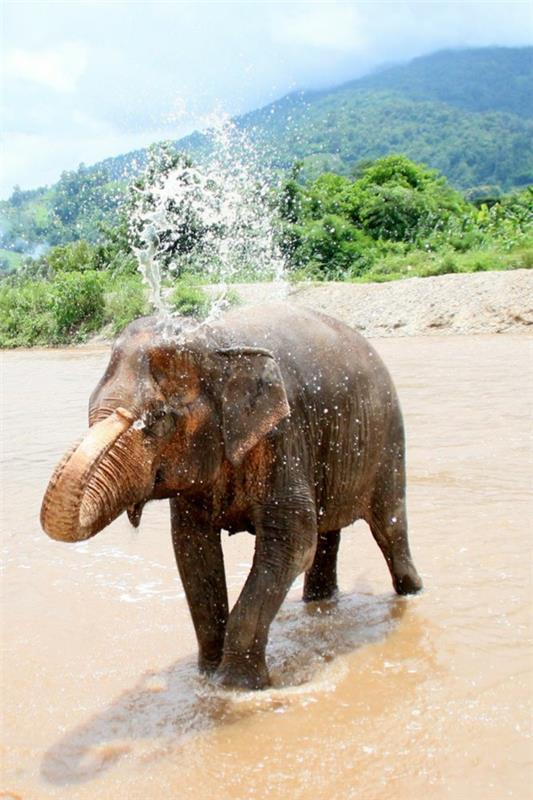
375	696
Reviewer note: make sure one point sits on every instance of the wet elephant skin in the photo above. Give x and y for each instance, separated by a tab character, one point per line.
281	422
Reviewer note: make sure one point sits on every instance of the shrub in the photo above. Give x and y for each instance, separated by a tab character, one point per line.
125	300
332	249
232	298
526	258
401	264
444	266
191	301
25	316
77	303
73	257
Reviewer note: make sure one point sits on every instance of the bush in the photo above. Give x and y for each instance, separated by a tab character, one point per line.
125	300
443	266
335	227
191	301
397	213
525	258
232	298
25	315
332	249
77	303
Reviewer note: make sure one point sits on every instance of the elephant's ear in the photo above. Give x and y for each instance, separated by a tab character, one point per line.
254	399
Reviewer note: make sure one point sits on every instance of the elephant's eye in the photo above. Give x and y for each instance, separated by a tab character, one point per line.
160	422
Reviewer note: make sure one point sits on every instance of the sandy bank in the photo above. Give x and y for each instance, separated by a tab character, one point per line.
482	302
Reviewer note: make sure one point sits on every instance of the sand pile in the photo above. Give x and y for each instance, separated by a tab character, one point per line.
482	302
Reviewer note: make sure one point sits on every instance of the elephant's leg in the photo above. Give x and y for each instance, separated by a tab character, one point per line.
321	579
200	561
282	552
388	523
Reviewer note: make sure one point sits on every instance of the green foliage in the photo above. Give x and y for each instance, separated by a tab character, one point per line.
68	308
74	208
394	219
190	301
112	254
77	303
9	260
114	250
58	312
26	318
73	257
185	229
466	113
232	298
454	77
448	110
331	248
408	263
337	226
125	300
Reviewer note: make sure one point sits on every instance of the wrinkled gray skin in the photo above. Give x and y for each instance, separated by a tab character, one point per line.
281	422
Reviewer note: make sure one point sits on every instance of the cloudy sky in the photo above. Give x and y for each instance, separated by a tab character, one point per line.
86	80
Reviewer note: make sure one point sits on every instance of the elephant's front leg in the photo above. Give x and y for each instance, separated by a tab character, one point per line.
200	563
282	551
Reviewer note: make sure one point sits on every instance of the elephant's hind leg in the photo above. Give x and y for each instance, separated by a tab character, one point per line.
321	579
388	523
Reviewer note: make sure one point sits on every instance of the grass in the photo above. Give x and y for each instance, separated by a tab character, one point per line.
422	264
192	300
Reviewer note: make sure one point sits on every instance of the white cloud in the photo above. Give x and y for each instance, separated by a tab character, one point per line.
58	68
34	159
81	85
330	26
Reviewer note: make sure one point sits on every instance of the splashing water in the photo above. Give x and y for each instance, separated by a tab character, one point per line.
215	220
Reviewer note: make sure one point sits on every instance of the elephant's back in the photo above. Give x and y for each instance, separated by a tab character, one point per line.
310	346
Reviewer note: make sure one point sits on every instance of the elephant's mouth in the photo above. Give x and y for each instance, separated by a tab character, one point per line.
108	471
135	513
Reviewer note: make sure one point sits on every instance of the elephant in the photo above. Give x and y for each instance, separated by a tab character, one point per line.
275	420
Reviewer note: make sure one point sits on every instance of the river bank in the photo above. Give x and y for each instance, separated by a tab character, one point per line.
451	304
476	303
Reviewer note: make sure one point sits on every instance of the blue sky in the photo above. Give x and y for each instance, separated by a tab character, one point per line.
86	80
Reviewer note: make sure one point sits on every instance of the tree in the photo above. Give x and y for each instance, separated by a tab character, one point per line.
163	207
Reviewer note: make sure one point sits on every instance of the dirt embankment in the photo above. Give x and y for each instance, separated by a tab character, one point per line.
483	302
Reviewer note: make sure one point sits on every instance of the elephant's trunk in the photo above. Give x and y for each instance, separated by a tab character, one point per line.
84	491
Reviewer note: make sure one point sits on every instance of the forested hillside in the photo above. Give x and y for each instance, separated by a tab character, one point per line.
466	113
396	219
486	79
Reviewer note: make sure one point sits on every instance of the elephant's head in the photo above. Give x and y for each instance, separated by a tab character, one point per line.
166	415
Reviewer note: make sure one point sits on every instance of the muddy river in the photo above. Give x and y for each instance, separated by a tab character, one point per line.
374	696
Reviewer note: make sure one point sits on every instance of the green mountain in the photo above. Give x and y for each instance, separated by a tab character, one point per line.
488	79
467	113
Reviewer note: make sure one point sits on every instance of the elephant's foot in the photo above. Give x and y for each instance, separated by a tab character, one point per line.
208	666
321	580
210	656
313	594
407	580
245	672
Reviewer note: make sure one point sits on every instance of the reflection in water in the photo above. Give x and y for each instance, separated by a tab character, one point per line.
166	706
374	696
